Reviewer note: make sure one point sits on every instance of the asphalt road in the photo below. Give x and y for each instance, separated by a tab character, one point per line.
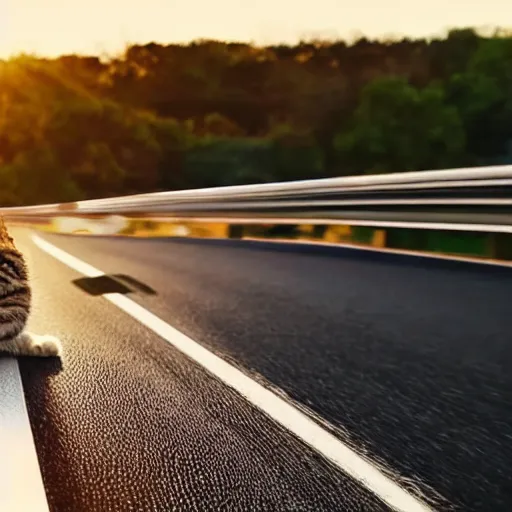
407	360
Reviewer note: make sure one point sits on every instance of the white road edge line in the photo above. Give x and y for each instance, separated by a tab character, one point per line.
21	483
383	250
274	406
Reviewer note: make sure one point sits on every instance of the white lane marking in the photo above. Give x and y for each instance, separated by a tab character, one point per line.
281	411
21	484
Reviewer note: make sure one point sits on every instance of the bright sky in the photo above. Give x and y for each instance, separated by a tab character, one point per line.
52	27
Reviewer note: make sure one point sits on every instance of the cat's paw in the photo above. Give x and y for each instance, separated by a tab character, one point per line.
36	345
45	346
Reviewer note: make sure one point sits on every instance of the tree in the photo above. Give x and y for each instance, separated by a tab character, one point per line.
219	125
295	155
399	128
211	113
482	96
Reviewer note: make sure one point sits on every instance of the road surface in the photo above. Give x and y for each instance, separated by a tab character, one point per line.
406	360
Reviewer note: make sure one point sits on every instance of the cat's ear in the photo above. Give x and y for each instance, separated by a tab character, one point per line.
5	238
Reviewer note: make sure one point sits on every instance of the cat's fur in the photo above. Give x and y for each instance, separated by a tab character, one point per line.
15	300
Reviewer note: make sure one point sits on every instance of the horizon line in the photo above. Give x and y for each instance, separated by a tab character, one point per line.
350	39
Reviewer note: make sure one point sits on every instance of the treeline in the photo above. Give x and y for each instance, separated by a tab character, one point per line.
212	113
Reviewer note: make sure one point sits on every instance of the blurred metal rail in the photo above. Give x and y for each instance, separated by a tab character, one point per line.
479	199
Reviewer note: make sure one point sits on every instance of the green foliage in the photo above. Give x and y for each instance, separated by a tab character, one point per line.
221	161
212	113
219	125
399	128
295	155
59	142
482	95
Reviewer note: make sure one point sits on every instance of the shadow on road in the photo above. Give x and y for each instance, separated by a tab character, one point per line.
115	283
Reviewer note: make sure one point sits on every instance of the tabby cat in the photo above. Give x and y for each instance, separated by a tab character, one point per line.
15	298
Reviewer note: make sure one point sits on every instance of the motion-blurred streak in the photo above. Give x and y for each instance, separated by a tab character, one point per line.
462	212
420	186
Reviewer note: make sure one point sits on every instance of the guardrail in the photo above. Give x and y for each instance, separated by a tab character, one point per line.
359	209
